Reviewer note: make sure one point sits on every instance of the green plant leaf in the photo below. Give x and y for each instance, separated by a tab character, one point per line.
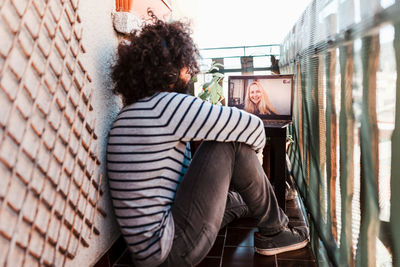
217	64
207	84
214	79
214	94
213	70
204	95
220	90
219	75
212	90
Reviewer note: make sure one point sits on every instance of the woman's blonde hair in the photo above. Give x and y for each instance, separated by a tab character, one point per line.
264	107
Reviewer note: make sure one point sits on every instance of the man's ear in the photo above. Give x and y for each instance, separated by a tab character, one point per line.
172	77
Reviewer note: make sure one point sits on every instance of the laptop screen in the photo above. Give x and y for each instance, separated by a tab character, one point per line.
270	97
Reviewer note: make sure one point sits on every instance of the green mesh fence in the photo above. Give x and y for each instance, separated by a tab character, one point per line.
346	161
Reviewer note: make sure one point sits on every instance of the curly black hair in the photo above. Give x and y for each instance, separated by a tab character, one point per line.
151	58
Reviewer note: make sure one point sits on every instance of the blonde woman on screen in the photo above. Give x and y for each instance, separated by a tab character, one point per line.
257	101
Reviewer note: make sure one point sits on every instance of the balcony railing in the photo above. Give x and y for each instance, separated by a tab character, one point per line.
346	159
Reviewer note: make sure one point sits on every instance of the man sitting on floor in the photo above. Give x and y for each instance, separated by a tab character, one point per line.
169	207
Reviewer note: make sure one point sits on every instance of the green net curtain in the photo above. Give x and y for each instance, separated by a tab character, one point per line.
346	59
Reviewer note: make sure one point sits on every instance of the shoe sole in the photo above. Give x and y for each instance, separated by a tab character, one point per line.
274	251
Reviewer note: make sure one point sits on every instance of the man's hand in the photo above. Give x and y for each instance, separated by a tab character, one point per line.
260	157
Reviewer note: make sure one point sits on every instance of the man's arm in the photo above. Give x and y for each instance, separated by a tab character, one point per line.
200	120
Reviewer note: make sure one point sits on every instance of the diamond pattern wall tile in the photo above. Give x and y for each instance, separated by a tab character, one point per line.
47	143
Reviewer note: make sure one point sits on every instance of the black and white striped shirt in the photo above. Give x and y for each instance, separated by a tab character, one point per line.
147	156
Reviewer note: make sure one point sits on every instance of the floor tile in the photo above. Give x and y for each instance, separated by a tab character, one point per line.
244	222
117	250
103	262
222	232
244	257
300	254
210	262
216	250
296	263
233	247
125	259
236	236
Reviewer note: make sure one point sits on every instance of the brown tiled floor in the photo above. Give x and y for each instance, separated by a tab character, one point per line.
233	247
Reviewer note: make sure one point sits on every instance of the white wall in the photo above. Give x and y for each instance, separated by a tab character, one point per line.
101	42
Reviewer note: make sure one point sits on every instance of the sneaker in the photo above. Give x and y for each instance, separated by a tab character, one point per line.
290	238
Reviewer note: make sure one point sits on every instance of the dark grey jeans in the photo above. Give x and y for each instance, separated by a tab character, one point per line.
204	202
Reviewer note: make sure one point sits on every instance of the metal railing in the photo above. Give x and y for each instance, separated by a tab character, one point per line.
346	61
226	54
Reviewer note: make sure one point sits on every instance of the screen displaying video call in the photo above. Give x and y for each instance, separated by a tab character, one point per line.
267	96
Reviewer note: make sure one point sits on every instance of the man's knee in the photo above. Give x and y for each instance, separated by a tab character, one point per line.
235	145
214	145
226	150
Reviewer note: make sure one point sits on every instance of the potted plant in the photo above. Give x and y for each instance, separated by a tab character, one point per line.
212	90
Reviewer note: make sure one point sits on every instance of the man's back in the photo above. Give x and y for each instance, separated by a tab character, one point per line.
145	165
147	157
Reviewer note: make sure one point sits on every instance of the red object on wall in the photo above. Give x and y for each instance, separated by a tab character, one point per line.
123	5
161	8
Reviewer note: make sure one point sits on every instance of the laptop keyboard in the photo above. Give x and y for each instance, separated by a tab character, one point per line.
275	122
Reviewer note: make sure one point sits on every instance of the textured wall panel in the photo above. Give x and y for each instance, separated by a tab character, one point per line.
49	183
